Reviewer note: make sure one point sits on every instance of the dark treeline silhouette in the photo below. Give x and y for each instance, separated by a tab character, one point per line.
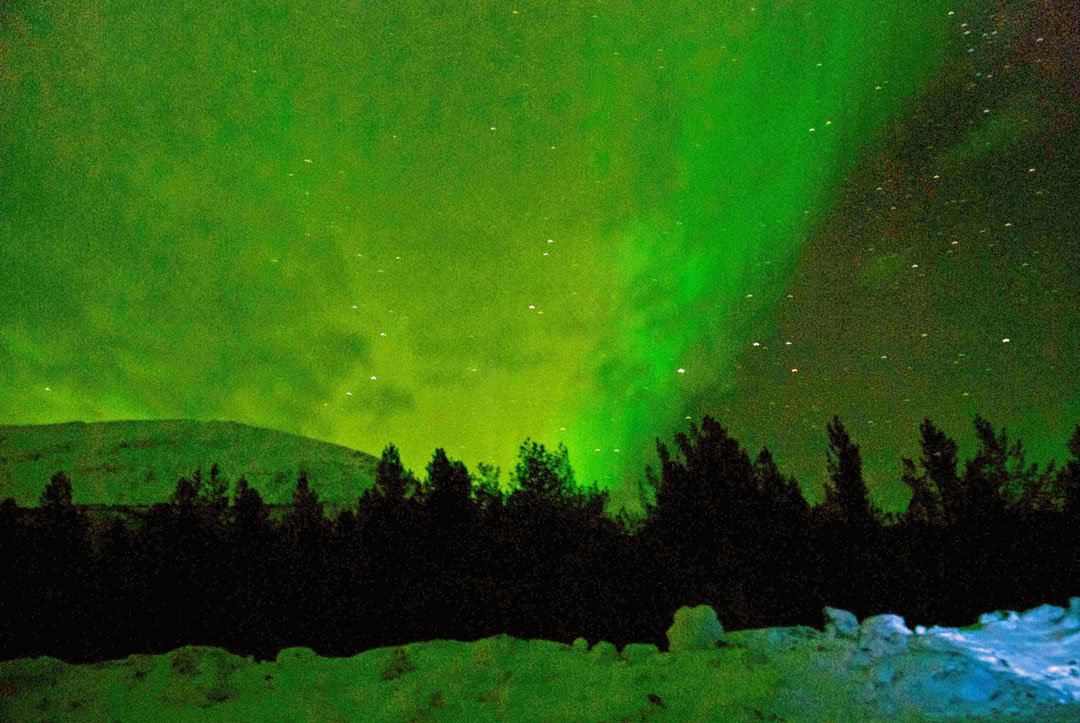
454	556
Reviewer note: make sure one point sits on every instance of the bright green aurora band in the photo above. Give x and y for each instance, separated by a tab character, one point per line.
465	224
768	107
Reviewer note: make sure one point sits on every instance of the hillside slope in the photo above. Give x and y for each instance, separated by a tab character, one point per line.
139	462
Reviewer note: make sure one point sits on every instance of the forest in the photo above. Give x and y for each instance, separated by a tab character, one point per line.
453	556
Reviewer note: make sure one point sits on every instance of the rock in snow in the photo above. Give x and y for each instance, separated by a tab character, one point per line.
1011	667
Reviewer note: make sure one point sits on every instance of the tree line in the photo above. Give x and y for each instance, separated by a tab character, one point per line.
453	556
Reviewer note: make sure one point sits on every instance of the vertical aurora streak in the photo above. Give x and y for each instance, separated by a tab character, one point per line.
772	107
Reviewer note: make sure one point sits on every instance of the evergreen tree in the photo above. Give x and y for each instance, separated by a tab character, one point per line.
305	517
847	496
999	473
710	485
215	493
393	483
57	494
186	495
61	544
486	489
447	497
543	474
249	513
706	509
924	507
65	526
986	474
939	462
1068	480
781	496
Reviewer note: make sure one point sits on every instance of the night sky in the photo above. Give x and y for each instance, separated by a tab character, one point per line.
463	224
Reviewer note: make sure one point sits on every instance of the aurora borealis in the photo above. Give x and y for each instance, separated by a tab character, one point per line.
464	224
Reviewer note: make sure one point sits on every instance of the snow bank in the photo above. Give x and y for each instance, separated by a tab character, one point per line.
1012	665
1041	645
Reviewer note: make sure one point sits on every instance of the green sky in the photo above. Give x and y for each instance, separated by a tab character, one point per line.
463	224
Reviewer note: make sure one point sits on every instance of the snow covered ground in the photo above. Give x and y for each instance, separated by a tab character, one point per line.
1012	667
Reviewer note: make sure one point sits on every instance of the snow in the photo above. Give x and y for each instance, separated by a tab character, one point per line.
694	628
841	623
1011	666
1042	645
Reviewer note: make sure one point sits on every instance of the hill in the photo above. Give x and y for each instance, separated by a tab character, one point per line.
139	462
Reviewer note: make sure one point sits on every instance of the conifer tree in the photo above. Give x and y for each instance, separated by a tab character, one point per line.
939	463
447	498
1068	479
186	495
781	496
393	483
924	507
986	474
215	492
486	489
847	496
305	517
249	513
57	494
543	474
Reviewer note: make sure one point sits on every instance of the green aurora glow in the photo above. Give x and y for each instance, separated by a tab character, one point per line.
461	225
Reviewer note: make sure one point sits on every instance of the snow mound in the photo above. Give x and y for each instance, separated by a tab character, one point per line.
1041	645
694	628
841	623
882	635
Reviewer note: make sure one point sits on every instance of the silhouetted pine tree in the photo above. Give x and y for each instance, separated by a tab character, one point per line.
706	507
115	594
249	514
215	493
445	562
446	498
486	490
542	474
781	577
250	607
388	527
186	494
1068	480
939	462
847	496
531	536
782	497
305	521
924	508
14	549
59	609
986	474
304	535
393	483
